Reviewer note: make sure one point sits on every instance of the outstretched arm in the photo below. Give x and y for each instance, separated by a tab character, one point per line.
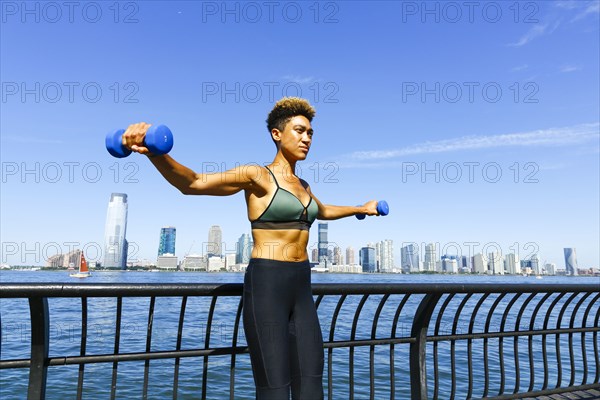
329	212
186	180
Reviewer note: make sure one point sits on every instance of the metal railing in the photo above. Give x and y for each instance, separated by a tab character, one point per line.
421	341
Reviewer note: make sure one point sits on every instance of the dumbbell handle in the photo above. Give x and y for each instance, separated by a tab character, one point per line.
158	139
382	209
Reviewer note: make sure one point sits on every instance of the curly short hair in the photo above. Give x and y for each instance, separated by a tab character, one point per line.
287	108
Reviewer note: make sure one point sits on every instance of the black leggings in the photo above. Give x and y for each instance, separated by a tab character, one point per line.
282	330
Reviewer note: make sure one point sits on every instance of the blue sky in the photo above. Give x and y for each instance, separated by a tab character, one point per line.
478	122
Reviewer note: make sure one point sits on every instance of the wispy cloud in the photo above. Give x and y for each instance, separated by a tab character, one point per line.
547	137
535	32
299	79
583	8
592	8
569	68
567	4
520	68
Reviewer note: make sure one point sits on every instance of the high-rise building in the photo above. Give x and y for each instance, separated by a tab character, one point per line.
570	261
496	263
449	264
244	249
166	244
535	264
323	228
526	267
315	255
213	247
464	264
480	264
512	265
430	258
350	256
377	257
230	261
366	256
115	243
550	269
409	256
337	256
386	255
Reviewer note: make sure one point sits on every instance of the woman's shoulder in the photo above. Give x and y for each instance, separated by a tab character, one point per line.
252	170
304	183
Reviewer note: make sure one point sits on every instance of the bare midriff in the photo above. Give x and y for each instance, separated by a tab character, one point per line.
282	245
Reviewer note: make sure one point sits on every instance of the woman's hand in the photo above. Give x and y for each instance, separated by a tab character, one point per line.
371	208
133	138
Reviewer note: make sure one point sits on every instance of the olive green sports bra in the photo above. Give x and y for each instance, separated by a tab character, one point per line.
286	211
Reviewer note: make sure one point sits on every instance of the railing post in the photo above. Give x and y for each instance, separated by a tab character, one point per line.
38	309
418	362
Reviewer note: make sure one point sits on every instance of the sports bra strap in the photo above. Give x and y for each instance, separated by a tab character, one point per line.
273	175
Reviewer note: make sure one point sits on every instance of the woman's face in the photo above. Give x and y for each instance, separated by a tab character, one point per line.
296	138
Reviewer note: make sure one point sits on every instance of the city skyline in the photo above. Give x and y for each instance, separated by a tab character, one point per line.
116	221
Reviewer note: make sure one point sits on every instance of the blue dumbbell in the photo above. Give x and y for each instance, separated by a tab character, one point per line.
159	140
382	209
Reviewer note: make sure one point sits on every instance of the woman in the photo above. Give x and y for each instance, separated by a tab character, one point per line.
280	319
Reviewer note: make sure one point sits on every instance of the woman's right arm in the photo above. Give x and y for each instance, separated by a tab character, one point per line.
226	183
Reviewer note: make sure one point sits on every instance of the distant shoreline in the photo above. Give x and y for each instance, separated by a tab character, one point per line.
64	270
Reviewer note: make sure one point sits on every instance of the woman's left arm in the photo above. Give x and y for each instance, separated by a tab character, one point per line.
329	211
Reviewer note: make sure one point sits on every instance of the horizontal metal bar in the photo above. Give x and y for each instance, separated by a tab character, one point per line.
20	290
367	342
103	358
493	335
17	363
156	355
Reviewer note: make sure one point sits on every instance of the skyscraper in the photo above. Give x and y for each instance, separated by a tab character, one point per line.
512	265
213	247
449	264
350	256
570	261
430	258
409	256
166	244
535	264
244	249
366	256
337	256
386	256
479	264
464	264
315	255
377	257
496	263
323	228
115	244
